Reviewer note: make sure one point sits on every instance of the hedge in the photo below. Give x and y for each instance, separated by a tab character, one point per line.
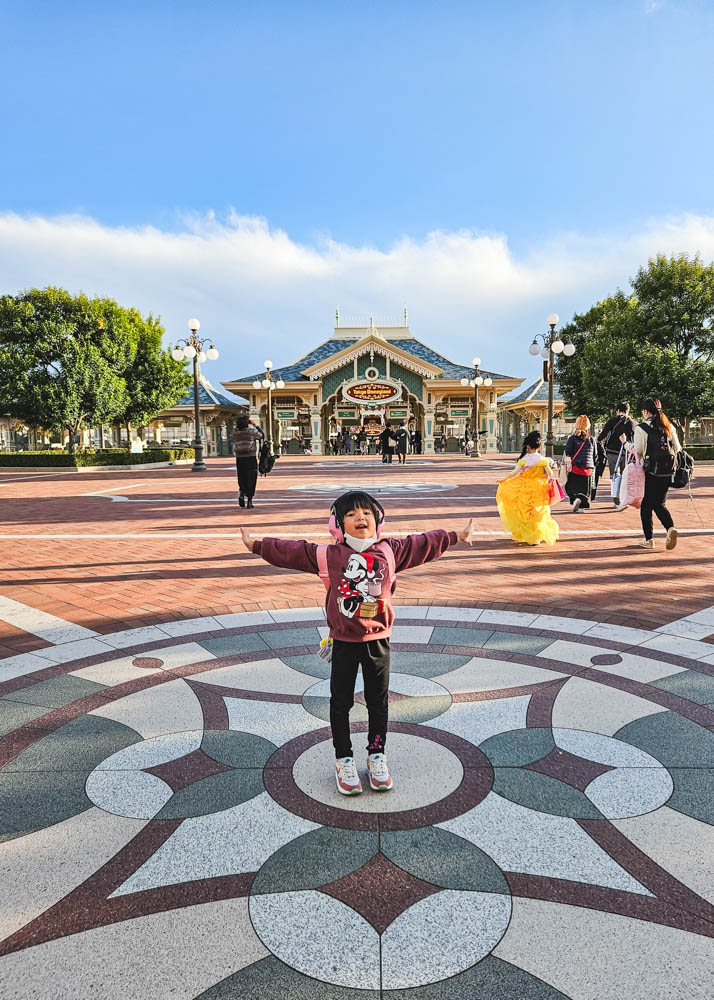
80	459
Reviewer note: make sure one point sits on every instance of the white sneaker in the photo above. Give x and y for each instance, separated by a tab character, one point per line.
380	780
346	776
672	534
576	505
646	543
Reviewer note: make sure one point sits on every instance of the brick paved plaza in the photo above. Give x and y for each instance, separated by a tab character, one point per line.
169	825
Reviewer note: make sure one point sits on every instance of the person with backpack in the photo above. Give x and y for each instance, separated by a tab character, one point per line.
245	438
657	444
359	572
402	439
610	436
388	443
579	456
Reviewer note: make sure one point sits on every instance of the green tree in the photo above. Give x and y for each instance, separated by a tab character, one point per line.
68	361
658	341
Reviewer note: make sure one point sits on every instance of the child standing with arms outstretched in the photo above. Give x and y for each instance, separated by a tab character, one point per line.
359	573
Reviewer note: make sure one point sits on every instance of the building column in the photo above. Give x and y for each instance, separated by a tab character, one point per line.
428	432
315	430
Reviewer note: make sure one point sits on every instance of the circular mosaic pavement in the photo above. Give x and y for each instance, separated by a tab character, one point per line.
537	772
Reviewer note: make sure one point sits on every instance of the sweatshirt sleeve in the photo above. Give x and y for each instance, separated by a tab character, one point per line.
640	441
288	554
417	549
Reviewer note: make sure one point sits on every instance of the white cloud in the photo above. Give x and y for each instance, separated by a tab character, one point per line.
259	293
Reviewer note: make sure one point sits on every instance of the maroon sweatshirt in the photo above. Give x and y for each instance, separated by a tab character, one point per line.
359	600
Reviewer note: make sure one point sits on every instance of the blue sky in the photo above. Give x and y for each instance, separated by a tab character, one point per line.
558	132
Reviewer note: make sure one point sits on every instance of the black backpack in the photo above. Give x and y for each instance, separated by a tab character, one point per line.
683	470
659	457
266	461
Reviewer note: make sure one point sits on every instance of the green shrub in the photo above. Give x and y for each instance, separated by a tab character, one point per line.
84	459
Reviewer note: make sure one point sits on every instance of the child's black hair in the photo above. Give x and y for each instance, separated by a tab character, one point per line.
532	440
351	501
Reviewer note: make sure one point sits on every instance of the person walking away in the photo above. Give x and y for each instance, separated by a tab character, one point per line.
387	442
402	439
580	449
610	435
246	437
523	497
347	442
657	444
360	575
417	442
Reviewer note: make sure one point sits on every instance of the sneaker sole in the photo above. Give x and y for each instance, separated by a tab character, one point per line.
672	536
381	788
343	791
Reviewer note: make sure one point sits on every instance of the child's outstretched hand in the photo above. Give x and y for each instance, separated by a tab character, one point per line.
466	534
247	539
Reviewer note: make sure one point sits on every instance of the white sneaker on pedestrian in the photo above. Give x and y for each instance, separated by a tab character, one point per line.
672	535
647	543
346	776
380	780
576	505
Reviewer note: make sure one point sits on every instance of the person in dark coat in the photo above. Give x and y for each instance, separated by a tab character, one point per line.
610	438
580	449
402	439
245	439
387	443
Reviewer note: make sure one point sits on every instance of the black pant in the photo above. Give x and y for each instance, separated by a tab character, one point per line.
387	456
579	488
247	469
346	658
655	499
402	456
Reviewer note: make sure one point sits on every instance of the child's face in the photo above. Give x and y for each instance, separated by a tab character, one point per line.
360	523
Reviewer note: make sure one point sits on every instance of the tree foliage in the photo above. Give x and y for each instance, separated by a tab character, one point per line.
68	361
658	341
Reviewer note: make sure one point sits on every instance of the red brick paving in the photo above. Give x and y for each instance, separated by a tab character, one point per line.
110	583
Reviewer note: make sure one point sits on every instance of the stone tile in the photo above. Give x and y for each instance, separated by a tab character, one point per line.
452	614
602	956
133	794
134	636
412	633
516	643
102	962
180	656
630	791
448	636
689	684
489	978
440	773
190	626
237	840
272	978
507	618
703	617
443	859
316	859
686	629
543	794
672	739
636	666
43	867
275	721
519	839
260	675
292	637
21	665
442	935
79	745
113	672
678	843
37	799
426	664
680	647
298	614
15	714
152	752
476	721
292	924
311	664
166	708
69	651
56	691
603	749
619	633
556	623
229	645
413	611
244	619
693	792
494	675
582	704
40	623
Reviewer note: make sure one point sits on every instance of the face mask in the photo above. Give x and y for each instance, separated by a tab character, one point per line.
359	544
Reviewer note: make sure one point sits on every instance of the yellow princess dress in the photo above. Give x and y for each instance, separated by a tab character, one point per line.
523	500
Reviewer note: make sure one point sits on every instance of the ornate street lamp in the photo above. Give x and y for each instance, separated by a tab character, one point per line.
552	344
269	382
193	349
475	381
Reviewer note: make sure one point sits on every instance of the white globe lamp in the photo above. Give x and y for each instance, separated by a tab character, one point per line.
256	384
189	351
534	349
553	319
212	353
194	325
569	350
177	354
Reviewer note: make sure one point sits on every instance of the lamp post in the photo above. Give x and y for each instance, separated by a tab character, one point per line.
552	344
475	381
268	382
193	349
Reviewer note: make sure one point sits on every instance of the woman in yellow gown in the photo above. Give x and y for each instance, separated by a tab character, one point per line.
523	497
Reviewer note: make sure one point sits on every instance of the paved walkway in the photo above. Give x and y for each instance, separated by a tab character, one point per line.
169	825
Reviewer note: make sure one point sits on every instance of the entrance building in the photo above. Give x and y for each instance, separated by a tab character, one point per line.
364	377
